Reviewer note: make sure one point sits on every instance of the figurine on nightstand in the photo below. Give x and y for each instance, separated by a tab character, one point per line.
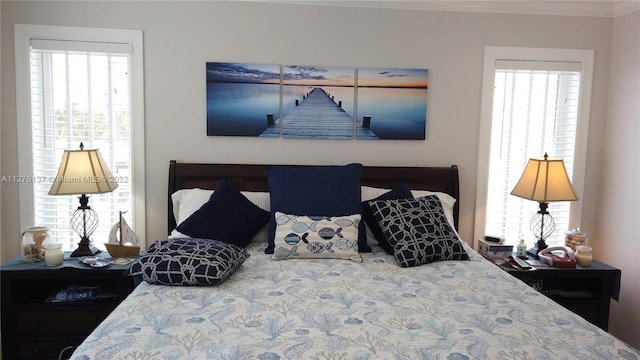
124	245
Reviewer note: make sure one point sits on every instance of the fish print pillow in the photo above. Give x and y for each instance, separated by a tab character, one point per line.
316	237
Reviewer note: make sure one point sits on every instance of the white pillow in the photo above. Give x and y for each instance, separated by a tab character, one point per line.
187	201
368	192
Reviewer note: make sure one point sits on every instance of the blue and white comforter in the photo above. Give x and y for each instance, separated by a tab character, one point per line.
339	309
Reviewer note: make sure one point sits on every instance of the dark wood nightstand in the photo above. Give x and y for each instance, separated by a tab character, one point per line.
585	291
33	327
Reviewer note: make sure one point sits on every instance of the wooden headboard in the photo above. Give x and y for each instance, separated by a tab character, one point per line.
254	178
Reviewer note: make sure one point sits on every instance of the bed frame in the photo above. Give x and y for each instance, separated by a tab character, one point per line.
254	178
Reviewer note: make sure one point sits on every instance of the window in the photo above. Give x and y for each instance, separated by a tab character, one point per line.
83	85
535	101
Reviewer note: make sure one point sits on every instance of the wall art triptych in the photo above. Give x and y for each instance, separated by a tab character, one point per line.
313	102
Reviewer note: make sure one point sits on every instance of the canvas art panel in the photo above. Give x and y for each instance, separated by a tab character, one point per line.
240	96
394	101
316	102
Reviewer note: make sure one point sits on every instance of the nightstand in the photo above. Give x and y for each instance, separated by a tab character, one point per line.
35	327
585	291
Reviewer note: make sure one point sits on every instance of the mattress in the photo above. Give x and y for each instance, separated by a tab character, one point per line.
341	309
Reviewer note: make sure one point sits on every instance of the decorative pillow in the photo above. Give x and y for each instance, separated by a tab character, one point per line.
187	201
228	216
327	190
400	191
418	230
312	237
188	262
448	202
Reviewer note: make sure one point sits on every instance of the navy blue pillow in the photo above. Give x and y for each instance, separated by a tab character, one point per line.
400	191
188	262
228	216
316	191
418	230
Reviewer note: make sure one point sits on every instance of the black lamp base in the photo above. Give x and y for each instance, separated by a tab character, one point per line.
84	221
85	249
539	246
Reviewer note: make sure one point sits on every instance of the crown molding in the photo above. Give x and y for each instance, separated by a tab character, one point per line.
622	7
593	8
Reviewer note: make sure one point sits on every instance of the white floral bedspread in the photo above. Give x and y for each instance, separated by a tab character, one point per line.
339	309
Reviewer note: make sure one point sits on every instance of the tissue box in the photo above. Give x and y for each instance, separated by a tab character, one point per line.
494	250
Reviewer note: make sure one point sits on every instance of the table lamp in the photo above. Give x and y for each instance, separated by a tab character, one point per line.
83	172
544	180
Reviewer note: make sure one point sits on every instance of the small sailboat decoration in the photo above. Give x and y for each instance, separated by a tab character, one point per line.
123	241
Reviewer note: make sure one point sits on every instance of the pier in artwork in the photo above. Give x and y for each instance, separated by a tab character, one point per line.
317	116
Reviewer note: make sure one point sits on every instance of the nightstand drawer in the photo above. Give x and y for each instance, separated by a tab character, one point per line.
587	310
37	320
32	348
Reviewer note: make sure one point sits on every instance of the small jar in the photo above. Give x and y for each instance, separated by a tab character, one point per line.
521	250
583	255
33	240
53	254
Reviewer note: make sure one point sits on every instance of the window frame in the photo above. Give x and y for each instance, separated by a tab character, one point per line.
23	34
492	54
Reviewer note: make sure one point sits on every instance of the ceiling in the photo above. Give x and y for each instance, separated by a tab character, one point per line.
597	8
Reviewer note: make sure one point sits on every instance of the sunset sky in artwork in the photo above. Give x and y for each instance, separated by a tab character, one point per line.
243	73
317	75
379	77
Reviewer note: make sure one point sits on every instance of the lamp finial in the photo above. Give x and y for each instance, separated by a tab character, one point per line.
81	146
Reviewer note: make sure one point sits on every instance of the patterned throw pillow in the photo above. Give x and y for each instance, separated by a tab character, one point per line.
418	230
400	191
188	262
312	237
328	190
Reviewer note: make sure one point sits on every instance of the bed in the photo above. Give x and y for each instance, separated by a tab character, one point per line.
369	306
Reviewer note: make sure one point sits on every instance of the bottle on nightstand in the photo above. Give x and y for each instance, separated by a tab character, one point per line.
521	251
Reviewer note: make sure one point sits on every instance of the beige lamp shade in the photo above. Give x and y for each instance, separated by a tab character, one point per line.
545	180
83	172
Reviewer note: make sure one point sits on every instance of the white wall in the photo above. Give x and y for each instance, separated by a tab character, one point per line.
1	172
618	225
181	36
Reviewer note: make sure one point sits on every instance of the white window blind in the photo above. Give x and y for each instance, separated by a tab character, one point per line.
80	92
535	111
